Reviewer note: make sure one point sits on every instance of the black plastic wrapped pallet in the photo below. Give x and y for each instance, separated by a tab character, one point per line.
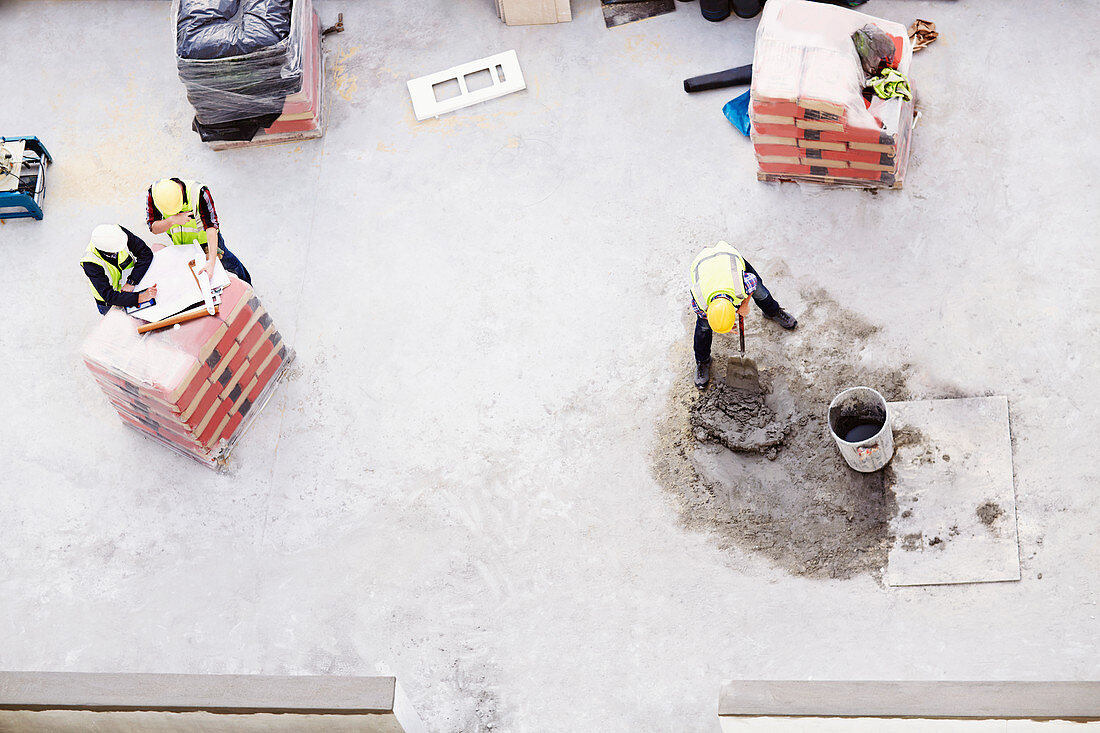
245	129
239	91
225	89
217	29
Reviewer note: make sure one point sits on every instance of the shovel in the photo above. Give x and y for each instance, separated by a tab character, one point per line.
742	373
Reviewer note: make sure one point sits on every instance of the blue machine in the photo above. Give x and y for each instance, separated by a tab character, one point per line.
23	163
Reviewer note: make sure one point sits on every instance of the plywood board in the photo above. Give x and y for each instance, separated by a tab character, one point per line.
176	286
534	12
952	475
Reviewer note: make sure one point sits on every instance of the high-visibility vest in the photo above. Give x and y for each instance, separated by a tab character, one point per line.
114	271
718	270
190	231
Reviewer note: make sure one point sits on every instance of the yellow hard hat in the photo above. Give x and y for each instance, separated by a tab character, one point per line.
721	315
168	196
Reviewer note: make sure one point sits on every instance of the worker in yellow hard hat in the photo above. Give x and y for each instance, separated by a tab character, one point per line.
114	262
185	210
721	283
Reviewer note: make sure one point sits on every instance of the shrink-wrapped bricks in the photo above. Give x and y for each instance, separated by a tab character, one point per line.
811	118
195	386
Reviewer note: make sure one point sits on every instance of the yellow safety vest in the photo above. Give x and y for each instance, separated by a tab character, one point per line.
190	231
114	271
718	270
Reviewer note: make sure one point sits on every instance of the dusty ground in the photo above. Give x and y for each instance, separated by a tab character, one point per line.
465	497
761	472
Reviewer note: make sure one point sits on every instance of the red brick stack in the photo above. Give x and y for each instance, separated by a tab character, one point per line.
809	119
193	387
816	145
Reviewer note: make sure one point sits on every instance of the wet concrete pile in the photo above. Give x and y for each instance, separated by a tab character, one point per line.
759	470
739	419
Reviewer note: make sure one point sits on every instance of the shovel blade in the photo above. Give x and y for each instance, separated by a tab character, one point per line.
742	373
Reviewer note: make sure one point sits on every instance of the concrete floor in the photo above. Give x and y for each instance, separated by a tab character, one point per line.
488	311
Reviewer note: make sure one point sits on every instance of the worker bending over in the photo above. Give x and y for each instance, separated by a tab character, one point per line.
185	210
114	253
721	283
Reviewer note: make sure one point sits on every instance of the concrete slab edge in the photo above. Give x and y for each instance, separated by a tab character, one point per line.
228	694
1005	699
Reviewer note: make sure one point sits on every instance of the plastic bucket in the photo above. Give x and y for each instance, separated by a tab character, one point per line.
715	10
746	8
859	422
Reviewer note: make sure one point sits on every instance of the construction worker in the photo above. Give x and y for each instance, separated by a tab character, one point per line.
721	283
171	206
112	253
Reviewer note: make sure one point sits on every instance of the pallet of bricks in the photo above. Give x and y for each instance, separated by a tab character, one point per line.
258	89
195	387
810	118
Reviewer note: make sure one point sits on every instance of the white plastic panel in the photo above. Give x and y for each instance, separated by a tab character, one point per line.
433	95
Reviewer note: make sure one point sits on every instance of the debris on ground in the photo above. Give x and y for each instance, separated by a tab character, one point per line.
618	12
989	512
922	33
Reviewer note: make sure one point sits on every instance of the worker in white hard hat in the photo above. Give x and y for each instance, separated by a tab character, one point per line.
115	261
185	210
721	283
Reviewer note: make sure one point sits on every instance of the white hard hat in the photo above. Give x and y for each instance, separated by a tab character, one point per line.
109	238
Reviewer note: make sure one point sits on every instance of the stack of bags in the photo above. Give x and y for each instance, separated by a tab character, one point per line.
810	120
252	69
193	388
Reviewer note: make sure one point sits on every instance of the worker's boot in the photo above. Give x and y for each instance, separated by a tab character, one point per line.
783	318
702	374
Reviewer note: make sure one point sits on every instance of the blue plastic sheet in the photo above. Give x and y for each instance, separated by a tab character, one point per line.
737	112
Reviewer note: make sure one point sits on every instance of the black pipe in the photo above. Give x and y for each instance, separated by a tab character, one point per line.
720	79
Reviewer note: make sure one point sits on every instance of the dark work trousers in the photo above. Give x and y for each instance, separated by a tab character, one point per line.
231	263
704	336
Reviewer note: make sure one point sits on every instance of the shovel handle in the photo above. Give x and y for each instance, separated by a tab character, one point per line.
181	318
741	331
